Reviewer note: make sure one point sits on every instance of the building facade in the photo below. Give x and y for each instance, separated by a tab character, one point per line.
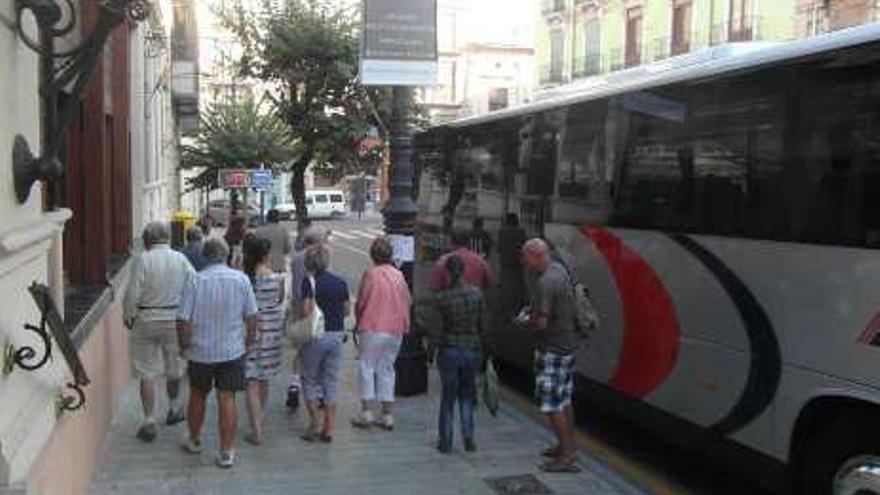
67	246
482	66
583	38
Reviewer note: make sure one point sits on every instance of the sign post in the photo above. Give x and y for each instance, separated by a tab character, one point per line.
399	49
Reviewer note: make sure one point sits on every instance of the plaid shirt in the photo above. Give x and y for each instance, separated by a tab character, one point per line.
457	317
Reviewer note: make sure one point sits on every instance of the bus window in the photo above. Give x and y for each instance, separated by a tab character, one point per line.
655	165
336	198
837	198
320	198
580	174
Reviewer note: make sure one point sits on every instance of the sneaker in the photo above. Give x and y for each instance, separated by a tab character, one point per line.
147	432
387	422
293	397
225	460
175	416
363	420
192	446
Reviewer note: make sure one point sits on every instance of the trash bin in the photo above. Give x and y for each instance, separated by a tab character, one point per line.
180	221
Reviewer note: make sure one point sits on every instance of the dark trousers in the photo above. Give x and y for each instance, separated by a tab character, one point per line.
458	369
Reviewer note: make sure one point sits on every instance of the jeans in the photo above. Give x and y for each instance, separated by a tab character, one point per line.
458	369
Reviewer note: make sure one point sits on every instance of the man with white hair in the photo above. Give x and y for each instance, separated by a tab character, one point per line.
150	309
216	320
552	316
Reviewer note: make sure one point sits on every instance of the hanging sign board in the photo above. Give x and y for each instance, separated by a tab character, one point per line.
399	46
245	179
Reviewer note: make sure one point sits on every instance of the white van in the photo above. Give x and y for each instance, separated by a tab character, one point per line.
328	203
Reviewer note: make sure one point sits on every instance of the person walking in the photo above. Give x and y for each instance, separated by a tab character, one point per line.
457	334
193	249
279	237
310	237
321	358
150	305
217	319
552	317
234	237
382	311
264	355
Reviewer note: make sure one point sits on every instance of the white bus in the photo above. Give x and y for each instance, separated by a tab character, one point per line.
724	210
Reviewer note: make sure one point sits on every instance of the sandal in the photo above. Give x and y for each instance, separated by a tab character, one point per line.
253	439
310	435
551	452
561	465
325	438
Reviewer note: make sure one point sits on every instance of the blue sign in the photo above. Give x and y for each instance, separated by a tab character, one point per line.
260	179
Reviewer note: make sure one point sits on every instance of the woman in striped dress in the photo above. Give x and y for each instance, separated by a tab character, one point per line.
264	355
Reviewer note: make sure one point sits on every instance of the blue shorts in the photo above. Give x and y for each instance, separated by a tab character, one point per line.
554	381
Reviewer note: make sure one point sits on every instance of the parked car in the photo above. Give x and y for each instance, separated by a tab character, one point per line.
328	203
218	210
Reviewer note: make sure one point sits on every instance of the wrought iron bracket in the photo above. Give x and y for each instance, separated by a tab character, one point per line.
70	68
67	403
26	357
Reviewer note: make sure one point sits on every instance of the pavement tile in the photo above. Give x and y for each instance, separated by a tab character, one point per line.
358	462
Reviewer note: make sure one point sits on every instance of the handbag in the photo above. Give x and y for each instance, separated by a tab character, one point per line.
491	394
309	328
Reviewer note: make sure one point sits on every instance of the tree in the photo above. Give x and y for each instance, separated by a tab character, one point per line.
236	136
307	51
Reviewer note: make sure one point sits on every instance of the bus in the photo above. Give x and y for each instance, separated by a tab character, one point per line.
723	208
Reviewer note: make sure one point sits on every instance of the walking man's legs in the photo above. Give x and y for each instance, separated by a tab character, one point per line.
227	419
195	413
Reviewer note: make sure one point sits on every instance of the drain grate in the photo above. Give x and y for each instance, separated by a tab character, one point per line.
524	484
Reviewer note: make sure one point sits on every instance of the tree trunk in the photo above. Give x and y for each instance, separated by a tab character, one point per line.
298	186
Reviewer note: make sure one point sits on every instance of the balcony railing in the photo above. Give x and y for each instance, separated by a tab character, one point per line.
586	66
552	6
737	29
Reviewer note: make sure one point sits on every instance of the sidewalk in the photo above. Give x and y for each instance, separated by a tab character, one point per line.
357	462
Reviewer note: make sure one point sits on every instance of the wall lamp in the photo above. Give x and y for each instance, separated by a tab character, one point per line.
61	69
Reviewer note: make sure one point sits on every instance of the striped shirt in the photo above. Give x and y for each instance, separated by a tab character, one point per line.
157	278
215	303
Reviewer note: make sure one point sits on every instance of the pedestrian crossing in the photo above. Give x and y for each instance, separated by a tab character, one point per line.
359	233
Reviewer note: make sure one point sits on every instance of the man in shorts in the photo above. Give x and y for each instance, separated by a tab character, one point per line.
552	315
150	307
217	319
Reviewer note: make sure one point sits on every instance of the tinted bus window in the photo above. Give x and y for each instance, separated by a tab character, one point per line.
581	168
836	193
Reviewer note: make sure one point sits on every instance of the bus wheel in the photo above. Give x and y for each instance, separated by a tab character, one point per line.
842	459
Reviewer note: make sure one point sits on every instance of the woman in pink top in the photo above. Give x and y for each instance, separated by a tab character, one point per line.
382	312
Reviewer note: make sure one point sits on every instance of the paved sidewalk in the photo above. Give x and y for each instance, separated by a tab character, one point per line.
357	462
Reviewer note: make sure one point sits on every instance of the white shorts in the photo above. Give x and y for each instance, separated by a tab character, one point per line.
154	344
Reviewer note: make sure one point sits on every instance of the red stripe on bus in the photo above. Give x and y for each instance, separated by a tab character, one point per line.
868	334
650	324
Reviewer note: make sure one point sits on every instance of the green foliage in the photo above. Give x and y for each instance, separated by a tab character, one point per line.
237	136
307	50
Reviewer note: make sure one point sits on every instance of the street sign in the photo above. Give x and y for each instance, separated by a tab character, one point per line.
245	179
261	179
399	43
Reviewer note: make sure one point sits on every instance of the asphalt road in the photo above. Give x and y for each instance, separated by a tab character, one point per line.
641	459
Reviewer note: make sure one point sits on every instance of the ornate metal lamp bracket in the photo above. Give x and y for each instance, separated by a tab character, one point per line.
26	357
72	68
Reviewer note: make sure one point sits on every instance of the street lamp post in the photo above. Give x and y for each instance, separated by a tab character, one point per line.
400	215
